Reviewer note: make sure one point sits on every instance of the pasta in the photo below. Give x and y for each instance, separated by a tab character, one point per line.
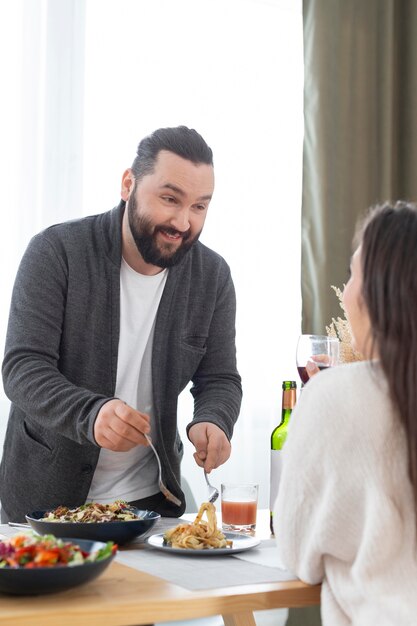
199	535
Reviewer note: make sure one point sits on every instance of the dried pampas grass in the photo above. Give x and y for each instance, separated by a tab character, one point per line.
340	329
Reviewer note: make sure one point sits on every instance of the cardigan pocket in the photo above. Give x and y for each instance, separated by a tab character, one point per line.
36	438
192	350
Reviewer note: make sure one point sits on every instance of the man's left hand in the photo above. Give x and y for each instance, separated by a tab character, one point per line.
212	446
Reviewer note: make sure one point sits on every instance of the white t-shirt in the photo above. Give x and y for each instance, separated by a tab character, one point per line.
132	475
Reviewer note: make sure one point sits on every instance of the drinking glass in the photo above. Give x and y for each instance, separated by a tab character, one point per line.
321	350
239	505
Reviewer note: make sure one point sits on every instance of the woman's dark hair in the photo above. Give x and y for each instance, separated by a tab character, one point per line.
183	141
389	267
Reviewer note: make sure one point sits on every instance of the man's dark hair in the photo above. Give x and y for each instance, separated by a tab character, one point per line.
183	141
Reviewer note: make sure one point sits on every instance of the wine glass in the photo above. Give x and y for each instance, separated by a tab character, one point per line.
322	350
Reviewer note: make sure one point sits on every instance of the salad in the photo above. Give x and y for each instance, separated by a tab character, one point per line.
32	551
118	511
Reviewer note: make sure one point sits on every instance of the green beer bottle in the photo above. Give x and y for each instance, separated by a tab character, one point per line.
278	437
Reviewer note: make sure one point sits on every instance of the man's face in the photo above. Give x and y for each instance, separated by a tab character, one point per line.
167	209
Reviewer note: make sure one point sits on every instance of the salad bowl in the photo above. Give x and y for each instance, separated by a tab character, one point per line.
120	532
54	578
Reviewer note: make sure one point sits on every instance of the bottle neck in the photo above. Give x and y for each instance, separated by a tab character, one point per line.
285	417
288	399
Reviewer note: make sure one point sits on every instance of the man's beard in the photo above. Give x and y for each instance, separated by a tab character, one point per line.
144	234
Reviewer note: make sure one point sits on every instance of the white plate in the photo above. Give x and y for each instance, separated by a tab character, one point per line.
241	543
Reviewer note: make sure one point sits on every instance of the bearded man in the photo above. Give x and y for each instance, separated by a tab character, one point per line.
111	317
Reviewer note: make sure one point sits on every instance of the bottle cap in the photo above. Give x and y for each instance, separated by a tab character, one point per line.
289	384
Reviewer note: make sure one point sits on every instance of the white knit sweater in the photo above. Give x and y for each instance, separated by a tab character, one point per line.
345	510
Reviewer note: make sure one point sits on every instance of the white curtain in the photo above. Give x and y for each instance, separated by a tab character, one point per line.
87	79
41	124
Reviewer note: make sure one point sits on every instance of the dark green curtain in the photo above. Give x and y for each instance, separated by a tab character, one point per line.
360	147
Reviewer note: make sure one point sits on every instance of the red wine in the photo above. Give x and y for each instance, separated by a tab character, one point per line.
302	372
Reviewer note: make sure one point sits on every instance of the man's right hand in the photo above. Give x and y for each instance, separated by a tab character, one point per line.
119	427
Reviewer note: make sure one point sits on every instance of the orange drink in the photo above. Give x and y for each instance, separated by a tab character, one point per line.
239	505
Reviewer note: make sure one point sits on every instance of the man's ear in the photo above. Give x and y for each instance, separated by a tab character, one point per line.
128	184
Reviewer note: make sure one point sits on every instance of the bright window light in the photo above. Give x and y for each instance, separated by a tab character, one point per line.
232	69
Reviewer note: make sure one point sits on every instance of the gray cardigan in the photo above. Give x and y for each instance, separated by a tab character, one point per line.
61	359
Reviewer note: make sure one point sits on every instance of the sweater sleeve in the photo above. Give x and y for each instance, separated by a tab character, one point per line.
217	386
31	375
297	511
320	499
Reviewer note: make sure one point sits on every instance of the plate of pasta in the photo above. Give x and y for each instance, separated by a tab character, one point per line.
202	538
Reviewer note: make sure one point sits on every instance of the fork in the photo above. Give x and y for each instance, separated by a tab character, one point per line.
213	492
164	489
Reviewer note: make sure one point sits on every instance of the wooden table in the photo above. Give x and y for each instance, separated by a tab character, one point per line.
123	596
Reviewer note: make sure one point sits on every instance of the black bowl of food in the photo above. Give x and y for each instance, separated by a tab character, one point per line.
118	522
31	564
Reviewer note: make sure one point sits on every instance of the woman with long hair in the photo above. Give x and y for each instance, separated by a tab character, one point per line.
346	513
